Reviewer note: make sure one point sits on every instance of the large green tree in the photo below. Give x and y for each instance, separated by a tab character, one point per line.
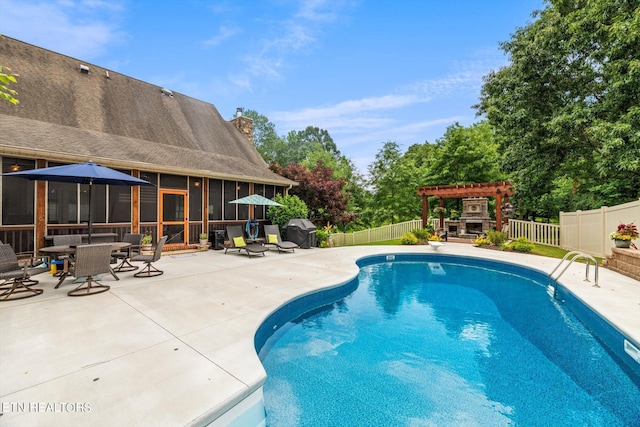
465	155
394	181
324	196
567	107
270	146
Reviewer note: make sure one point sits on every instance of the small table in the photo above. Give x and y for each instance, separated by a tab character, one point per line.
53	251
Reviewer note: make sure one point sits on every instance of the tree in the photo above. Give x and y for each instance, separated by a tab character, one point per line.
270	146
7	78
465	155
567	106
394	181
323	195
301	144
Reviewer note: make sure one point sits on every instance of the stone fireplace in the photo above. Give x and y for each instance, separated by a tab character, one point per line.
474	220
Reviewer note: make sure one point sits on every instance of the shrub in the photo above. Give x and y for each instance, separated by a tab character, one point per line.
292	207
522	245
497	238
321	238
323	235
434	238
409	239
482	241
421	233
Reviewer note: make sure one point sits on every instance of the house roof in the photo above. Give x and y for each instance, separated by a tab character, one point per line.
65	114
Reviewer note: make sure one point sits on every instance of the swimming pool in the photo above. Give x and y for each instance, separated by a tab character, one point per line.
442	340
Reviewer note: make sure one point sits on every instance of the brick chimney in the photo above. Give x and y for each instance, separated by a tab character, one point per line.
243	124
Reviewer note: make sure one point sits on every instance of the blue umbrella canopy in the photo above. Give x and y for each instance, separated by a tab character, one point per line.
81	173
255	199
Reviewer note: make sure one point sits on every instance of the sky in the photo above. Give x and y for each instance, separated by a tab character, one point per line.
367	71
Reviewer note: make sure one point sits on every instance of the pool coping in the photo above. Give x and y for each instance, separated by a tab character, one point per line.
179	348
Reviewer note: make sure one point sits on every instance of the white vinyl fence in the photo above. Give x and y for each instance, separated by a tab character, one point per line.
379	234
535	232
584	231
588	231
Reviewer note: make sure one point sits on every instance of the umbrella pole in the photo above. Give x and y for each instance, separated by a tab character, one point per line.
90	191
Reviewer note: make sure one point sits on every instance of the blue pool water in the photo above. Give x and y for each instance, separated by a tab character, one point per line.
441	341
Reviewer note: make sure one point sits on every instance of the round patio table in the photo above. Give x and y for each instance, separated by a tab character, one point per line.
70	250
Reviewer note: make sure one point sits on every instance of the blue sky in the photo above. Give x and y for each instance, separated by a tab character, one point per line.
367	71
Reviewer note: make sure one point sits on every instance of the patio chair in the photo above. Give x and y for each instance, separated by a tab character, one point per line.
17	275
149	270
90	261
272	233
125	255
237	241
66	240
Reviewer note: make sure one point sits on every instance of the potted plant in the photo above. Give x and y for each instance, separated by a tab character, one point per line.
204	239
624	235
146	246
440	209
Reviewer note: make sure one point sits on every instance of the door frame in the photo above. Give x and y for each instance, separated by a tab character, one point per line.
185	220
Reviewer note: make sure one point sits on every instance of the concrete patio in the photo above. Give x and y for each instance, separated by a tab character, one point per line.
177	349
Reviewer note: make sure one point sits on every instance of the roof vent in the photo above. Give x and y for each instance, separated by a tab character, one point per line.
84	69
167	92
239	111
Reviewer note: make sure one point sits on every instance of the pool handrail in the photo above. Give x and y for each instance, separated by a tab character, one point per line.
576	255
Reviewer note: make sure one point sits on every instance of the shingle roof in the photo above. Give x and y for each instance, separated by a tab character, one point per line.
118	121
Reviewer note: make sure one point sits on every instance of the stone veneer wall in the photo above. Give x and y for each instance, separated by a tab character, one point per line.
625	261
244	125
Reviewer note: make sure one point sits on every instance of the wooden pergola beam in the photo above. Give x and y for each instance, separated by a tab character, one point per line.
457	191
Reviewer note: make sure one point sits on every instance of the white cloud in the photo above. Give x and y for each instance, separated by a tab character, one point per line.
291	36
351	114
225	32
81	29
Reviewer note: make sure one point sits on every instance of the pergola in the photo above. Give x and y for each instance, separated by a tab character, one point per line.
457	191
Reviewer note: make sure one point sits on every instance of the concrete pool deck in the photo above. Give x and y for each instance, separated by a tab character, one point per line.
177	349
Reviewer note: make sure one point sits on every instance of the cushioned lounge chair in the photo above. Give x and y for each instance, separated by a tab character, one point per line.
272	234
237	242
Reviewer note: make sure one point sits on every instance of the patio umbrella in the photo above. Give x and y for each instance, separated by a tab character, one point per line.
81	173
255	199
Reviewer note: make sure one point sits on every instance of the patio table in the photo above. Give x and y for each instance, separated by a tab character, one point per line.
53	251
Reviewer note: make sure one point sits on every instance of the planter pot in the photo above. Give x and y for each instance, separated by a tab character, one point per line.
204	242
622	243
146	249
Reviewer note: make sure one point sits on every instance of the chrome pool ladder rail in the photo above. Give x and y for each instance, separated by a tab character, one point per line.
574	255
